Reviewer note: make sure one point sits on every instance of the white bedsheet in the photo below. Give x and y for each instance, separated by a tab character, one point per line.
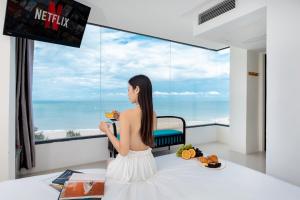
176	179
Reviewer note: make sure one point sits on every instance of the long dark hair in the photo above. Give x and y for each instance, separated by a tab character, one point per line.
146	105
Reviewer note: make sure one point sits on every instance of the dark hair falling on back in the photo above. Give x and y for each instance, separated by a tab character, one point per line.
146	105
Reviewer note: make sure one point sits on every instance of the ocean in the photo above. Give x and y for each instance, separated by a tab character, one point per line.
70	115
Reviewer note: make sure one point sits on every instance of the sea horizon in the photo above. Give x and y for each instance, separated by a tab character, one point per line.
86	114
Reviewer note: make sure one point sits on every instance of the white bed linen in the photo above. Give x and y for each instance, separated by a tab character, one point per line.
176	179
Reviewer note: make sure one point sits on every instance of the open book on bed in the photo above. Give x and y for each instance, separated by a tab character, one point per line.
83	186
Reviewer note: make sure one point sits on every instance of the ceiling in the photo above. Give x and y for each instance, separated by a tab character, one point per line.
167	19
173	20
248	31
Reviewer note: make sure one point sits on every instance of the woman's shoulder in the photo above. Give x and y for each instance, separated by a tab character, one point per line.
132	112
127	113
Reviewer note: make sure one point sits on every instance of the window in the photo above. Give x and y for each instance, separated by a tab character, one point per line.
200	84
72	87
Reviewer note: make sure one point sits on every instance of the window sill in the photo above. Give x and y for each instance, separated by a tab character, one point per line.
211	124
103	135
69	139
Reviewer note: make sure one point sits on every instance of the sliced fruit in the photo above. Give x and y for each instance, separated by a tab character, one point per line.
109	115
193	153
186	154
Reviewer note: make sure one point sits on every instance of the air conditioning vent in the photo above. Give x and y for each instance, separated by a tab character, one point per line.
217	10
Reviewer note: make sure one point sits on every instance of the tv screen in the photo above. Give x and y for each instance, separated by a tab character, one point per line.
57	21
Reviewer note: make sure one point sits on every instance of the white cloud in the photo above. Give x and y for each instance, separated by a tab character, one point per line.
154	59
116	94
213	93
160	93
122	56
185	93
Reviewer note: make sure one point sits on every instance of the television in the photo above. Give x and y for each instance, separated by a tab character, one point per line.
56	21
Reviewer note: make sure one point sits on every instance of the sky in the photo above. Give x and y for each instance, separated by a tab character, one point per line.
107	58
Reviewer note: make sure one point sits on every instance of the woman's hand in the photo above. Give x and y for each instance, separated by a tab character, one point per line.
104	127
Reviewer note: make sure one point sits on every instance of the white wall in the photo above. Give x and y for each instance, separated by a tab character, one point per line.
7	102
261	101
252	103
244	100
283	92
223	134
201	135
238	98
77	152
69	153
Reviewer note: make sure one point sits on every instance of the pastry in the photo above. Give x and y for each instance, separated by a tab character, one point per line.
203	159
213	158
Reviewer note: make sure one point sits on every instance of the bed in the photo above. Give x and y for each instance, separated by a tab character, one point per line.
180	179
170	131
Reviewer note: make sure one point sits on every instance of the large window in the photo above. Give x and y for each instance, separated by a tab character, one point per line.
72	87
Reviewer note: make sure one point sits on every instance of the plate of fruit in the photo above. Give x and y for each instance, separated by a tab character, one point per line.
212	161
188	151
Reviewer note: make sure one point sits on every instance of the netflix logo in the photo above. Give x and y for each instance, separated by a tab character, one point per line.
52	17
55	21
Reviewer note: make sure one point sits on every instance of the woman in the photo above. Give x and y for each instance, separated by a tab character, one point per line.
135	161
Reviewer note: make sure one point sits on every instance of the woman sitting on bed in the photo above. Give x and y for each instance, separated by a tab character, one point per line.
135	161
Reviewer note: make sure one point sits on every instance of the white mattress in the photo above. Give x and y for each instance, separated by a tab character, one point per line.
176	179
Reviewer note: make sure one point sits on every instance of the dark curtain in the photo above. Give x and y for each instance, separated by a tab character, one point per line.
24	121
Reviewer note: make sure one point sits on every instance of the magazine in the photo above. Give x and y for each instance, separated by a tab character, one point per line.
83	186
59	182
64	177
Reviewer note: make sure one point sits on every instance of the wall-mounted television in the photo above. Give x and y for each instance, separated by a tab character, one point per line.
56	21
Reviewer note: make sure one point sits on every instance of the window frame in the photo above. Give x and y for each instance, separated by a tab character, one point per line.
141	34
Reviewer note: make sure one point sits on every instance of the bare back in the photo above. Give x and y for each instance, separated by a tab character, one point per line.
134	120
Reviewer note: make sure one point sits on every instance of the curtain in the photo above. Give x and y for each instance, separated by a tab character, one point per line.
24	121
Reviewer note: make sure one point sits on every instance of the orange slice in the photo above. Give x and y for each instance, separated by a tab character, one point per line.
186	154
193	153
109	115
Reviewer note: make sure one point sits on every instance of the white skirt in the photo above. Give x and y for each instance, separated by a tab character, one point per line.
137	176
135	166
